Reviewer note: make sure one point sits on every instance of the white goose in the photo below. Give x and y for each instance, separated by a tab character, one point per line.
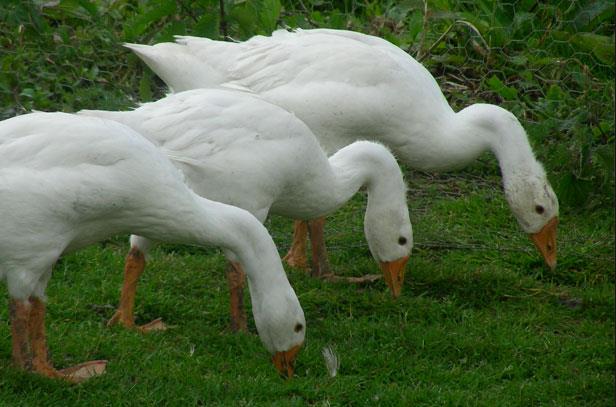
236	148
347	86
68	181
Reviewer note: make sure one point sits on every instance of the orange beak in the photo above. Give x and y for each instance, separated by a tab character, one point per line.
393	272
545	240
284	361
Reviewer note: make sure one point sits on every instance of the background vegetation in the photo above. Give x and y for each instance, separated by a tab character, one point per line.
551	63
480	321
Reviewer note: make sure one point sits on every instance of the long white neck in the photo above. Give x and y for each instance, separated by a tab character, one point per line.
370	165
503	134
235	230
457	139
332	183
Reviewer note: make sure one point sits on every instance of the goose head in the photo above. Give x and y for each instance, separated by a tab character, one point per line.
278	315
527	189
281	325
387	225
390	239
535	206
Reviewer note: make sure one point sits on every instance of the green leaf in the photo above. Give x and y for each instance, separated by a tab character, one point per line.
169	30
555	92
415	24
507	92
269	10
543	61
140	22
207	26
519	60
337	20
604	155
27	92
572	191
601	46
145	88
526	75
245	19
593	14
89	6
449	59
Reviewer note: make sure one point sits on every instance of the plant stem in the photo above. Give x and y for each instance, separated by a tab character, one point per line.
223	21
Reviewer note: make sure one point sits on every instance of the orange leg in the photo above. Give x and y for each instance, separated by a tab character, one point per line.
133	268
40	360
38	342
236	279
19	312
30	344
320	263
296	257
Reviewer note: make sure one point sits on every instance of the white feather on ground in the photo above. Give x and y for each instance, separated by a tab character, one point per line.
332	363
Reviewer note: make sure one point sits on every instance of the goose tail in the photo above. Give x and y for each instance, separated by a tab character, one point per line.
177	66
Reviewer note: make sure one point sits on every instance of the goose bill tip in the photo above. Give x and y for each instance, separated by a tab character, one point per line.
545	241
285	361
393	273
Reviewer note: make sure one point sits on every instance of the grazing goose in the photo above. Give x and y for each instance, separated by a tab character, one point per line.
68	181
347	86
236	148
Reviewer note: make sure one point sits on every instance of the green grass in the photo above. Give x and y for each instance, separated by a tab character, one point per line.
480	321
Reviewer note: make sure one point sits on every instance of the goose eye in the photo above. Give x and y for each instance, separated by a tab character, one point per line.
539	209
402	241
298	327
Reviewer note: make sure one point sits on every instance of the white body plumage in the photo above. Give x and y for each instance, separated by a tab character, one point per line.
67	181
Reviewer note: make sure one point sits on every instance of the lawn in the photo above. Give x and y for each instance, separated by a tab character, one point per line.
481	320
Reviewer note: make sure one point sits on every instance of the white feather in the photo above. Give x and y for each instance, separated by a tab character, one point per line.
332	362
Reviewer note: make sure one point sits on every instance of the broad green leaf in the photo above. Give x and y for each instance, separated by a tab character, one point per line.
268	11
507	92
415	24
207	26
245	18
601	46
337	20
141	22
27	92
